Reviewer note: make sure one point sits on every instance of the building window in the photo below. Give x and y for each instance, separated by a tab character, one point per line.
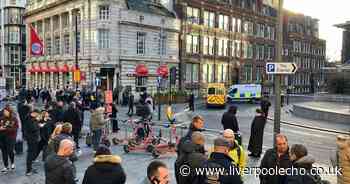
233	48
141	43
192	15
208	73
248	73
222	72
238	49
205	45
66	44
141	83
239	25
192	72
14	35
220	47
104	12
48	46
233	24
57	45
204	73
103	39
209	19
162	44
223	22
250	51
192	44
14	55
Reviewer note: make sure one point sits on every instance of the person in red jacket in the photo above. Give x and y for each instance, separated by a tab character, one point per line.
8	132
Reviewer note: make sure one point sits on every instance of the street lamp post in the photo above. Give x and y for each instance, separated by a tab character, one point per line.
277	79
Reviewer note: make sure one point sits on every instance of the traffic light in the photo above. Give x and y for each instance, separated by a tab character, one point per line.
173	75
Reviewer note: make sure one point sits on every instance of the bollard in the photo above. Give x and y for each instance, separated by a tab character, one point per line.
343	143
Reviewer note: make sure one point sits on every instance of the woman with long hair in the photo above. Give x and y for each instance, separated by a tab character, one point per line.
8	133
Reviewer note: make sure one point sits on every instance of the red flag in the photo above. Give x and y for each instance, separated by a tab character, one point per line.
36	45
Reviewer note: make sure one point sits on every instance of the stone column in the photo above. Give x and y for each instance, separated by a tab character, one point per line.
52	84
343	143
60	80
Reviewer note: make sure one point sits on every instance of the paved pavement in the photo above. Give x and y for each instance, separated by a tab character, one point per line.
320	145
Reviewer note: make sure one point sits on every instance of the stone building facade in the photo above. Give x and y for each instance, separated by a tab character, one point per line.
113	37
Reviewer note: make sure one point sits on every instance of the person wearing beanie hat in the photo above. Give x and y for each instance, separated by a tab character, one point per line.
257	134
105	169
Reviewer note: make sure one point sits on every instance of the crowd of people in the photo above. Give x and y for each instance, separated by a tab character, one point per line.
55	131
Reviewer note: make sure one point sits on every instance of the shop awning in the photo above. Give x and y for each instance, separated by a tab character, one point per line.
54	69
141	70
45	69
163	71
64	68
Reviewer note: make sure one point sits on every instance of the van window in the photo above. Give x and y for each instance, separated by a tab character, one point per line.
211	91
220	92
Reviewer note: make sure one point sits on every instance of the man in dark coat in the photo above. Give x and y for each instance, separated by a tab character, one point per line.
220	159
58	112
302	162
229	120
196	126
257	134
73	116
58	168
193	156
31	130
106	168
191	102
265	106
276	158
131	104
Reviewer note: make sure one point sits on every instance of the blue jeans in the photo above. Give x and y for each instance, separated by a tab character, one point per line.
96	138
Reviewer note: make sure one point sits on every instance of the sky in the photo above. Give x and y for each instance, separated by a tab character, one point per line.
329	13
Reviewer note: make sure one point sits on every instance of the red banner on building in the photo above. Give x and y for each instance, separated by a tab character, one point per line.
36	45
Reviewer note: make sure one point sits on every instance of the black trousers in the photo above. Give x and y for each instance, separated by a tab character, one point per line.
131	110
42	146
32	153
7	146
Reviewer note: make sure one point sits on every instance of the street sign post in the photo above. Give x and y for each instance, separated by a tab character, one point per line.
281	68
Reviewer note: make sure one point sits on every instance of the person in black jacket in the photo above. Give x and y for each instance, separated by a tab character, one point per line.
58	168
106	168
276	158
221	160
193	156
46	129
196	126
302	161
131	105
257	134
115	126
58	112
73	116
265	106
229	120
32	135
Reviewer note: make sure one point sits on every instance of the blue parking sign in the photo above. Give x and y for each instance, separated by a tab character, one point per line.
270	68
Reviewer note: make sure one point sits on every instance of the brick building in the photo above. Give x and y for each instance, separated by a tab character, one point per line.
303	46
226	41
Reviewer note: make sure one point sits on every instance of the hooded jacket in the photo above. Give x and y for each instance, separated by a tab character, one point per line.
59	170
304	163
106	169
194	157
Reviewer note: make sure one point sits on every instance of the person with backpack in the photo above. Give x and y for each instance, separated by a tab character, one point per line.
302	162
193	157
220	160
